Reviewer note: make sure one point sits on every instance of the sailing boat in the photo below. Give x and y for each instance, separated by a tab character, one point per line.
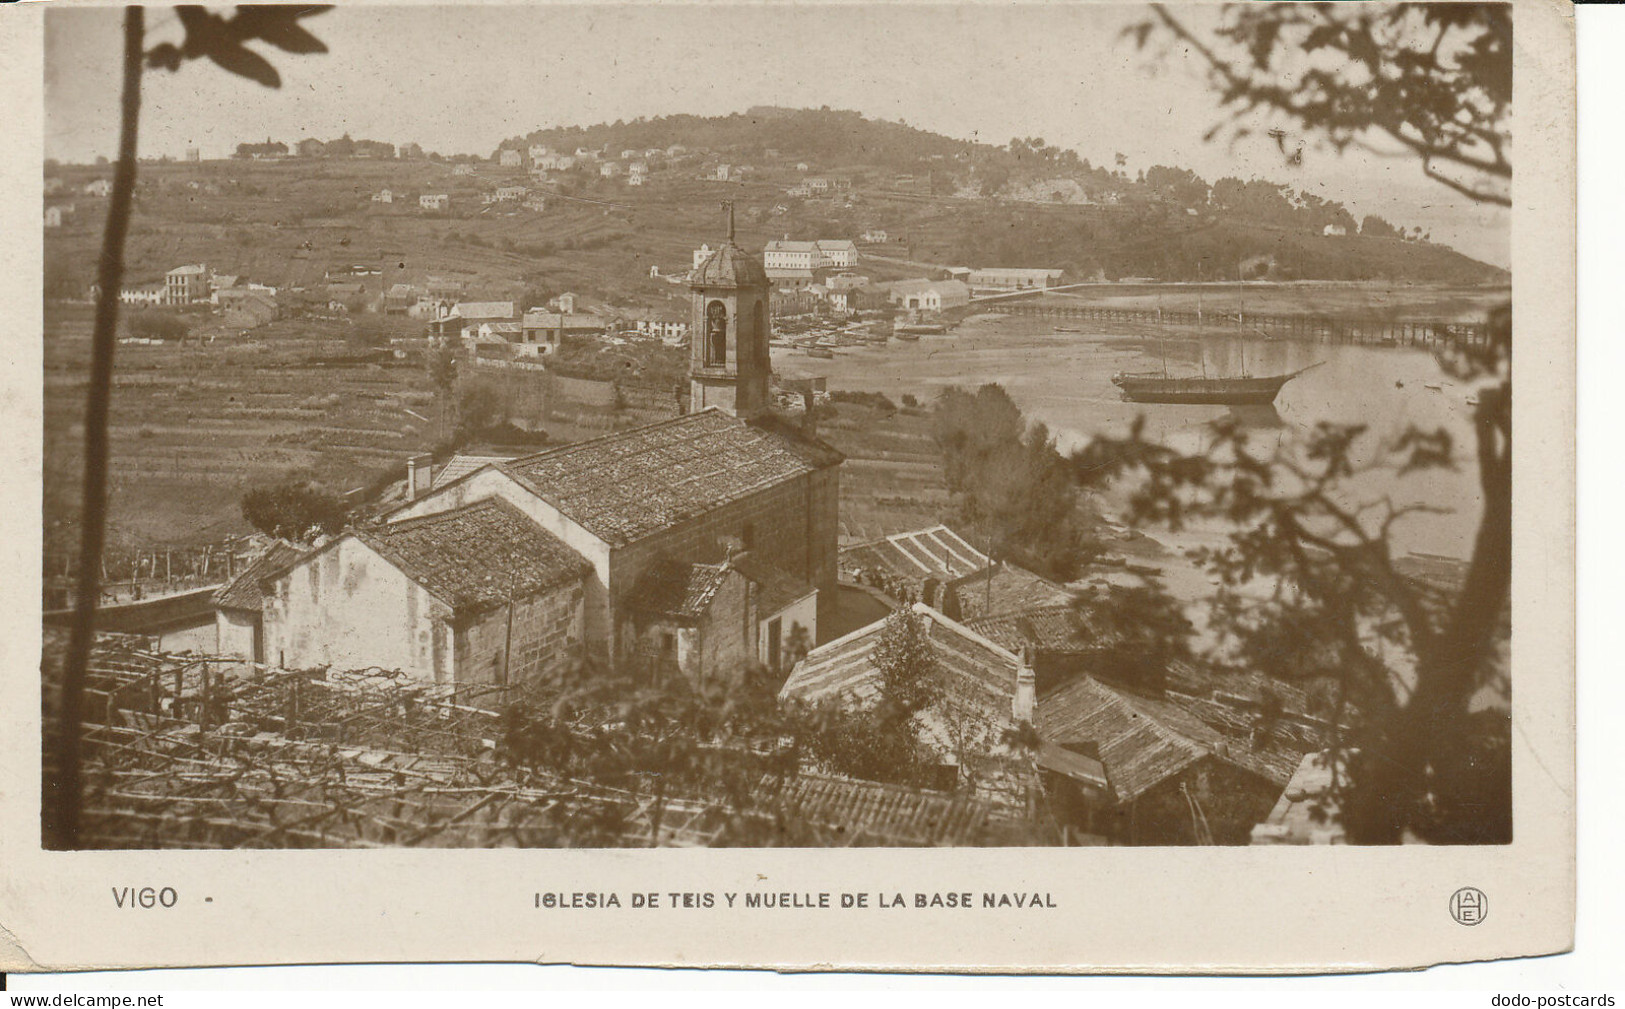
1245	390
1241	391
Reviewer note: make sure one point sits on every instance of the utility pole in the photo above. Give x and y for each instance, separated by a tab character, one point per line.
507	644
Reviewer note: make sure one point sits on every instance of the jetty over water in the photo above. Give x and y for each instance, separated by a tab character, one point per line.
1057	303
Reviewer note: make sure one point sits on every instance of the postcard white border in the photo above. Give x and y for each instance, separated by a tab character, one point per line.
1264	910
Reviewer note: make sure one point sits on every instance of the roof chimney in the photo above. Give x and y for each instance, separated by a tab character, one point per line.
809	412
1021	706
419	476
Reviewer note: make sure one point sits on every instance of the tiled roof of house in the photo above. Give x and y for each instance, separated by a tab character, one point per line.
979	680
775	587
1008	589
476	556
1049	629
787	245
462	465
624	486
935	552
1143	740
870	813
483	310
555	320
244	592
684	591
675	589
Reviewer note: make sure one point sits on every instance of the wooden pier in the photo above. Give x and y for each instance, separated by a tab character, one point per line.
1306	328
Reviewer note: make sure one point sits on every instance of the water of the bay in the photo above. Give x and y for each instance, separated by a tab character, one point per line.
1064	380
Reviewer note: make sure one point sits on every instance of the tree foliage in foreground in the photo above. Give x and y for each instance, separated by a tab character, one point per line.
1425	755
1009	482
224	41
1410	658
729	745
1433	78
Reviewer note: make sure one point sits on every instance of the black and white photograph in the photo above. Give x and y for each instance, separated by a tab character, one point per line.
778	426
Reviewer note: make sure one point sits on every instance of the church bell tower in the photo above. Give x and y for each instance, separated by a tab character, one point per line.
729	365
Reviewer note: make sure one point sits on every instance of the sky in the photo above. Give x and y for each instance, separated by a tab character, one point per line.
463	79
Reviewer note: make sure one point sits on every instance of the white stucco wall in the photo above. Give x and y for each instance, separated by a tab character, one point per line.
348	608
233	634
198	638
803	611
489	482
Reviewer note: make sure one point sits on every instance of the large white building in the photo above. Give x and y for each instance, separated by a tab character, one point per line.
997	278
792	255
838	252
788	255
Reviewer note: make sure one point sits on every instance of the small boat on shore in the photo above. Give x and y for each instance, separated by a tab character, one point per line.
822	352
1067	329
918	329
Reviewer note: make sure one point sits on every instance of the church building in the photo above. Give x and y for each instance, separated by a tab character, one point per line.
705	540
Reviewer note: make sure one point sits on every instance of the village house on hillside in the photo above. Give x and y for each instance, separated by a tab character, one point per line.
186	285
466	317
937	566
541	333
1180	769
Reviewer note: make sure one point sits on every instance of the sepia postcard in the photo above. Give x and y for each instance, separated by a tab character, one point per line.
939	486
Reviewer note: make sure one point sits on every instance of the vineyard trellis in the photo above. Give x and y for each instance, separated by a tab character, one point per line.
186	751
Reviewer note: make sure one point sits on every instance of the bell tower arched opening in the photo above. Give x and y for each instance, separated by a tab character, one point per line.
729	363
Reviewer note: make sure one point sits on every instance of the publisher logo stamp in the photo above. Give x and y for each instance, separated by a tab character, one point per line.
1469	906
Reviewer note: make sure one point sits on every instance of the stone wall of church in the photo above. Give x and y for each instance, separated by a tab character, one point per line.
793	526
727	635
546	633
824	529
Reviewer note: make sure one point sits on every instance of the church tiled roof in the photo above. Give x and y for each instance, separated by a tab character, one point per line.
476	556
624	486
